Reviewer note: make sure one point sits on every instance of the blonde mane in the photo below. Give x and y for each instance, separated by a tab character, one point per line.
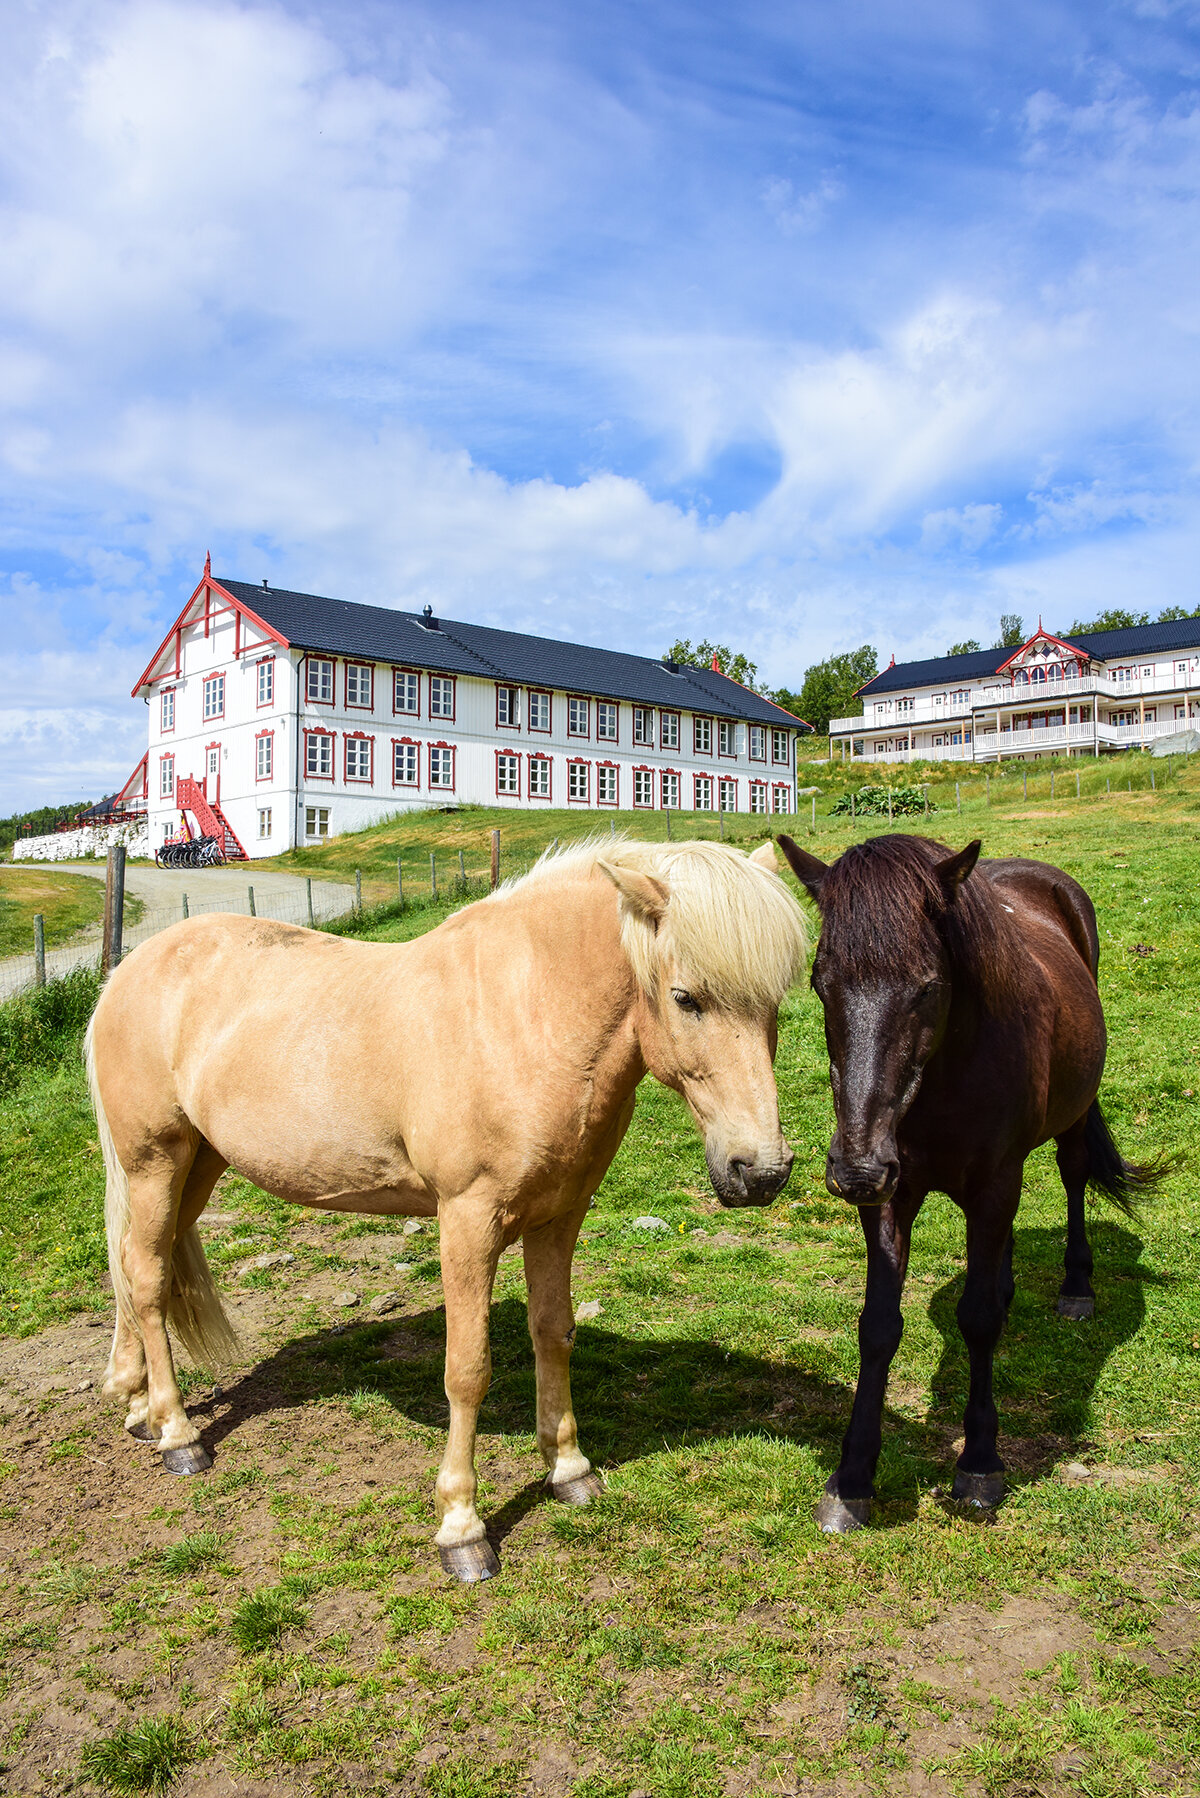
732	926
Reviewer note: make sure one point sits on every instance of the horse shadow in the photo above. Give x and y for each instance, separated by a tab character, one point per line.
635	1396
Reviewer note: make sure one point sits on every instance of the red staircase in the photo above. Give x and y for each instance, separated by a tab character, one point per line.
190	797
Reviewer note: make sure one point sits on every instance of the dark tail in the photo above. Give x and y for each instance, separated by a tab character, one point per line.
1124	1182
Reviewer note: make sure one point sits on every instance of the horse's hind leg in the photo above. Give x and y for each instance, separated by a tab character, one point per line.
1075	1296
979	1477
548	1253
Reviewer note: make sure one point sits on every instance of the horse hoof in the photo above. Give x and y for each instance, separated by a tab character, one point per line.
578	1492
141	1432
983	1490
470	1562
192	1458
1074	1307
838	1516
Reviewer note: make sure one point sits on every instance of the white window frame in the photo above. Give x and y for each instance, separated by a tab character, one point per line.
607	775
702	793
669	775
726	737
579	782
508	707
166	715
406	756
643	789
607	713
668	730
264	823
406	683
778	738
508	774
166	777
779	792
439	767
443	696
578	707
701	735
758	798
358	672
316	822
757	742
319	680
318	736
539	777
264	755
727	791
643	726
265	682
214	696
357	747
539	703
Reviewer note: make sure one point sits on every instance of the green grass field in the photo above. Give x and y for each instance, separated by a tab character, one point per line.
283	1620
68	902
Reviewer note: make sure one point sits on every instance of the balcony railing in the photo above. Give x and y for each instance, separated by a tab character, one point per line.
1017	698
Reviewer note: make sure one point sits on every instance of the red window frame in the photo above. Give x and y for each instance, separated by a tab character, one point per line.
644	805
579	761
357	705
784	761
539	730
332	735
616	798
535	755
699	718
308	698
261	705
724	783
730	725
167	730
675	775
513	755
667	712
615	704
506	687
750	730
585	735
163	760
781	786
207	717
759	786
358	780
450	717
408	743
453	787
644	712
260	736
396	711
696	805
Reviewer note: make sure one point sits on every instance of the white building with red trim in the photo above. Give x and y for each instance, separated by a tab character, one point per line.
281	718
1098	692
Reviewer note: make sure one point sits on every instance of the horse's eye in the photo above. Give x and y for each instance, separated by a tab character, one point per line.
684	1000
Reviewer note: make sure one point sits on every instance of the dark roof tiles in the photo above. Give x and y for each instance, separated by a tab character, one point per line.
1103	646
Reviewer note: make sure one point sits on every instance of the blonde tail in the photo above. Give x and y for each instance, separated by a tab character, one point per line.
194	1308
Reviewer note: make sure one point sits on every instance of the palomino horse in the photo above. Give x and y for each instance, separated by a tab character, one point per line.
484	1073
964	1028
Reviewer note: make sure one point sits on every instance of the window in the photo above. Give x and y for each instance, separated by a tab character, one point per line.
539	710
668	730
701	736
266	684
264	822
726	737
960	696
1181	667
318	754
360	757
508	707
213	754
643	724
406	763
703	799
1123	674
539	777
1146	673
728	795
905	705
670	791
882	706
758	744
406	691
316	820
643	787
441	696
214	696
264	756
758	796
318	685
578	717
577	782
781	799
606	784
166	777
167	713
781	749
939	699
441	763
508	774
359	685
606	721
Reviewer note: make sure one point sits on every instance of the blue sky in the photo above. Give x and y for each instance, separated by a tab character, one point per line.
796	326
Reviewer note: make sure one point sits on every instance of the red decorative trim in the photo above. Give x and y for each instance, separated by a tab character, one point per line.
259	735
127	791
696	805
210	680
723	781
1044	636
208	748
510	755
506	687
616	706
538	730
616	798
453	768
206	587
357	705
308	698
442	717
663	775
729	724
263	662
666	712
579	736
546	761
643	742
407	743
163	760
699	718
319	731
396	710
578	761
166	730
359	780
643	804
750	730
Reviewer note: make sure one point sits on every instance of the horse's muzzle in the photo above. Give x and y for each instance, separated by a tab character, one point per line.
740	1181
862	1182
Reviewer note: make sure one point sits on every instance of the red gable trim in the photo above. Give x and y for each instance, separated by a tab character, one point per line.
1044	636
206	589
139	779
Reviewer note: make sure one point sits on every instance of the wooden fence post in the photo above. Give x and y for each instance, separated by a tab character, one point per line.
1025	782
1052	783
39	949
495	859
308	895
1078	795
253	912
114	908
987	789
814	814
433	872
462	871
358	889
400	882
667	809
958	795
186	912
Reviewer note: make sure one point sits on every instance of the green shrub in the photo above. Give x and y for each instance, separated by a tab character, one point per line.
872	802
45	1024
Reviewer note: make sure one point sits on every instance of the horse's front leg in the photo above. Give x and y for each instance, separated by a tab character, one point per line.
846	1503
470	1243
979	1477
548	1253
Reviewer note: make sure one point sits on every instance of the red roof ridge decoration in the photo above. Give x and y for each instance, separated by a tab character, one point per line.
716	664
208	587
1045	636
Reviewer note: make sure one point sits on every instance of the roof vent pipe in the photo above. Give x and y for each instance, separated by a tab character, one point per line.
428	620
264	585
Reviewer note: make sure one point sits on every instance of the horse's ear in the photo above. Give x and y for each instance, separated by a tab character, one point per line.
646	897
764	857
956	868
809	870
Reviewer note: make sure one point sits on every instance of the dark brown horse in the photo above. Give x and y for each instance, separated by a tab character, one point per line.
964	1028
